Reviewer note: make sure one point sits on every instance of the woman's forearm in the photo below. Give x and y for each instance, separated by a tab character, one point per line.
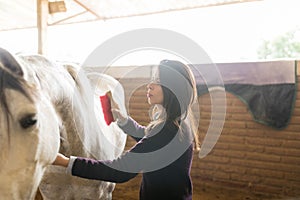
133	129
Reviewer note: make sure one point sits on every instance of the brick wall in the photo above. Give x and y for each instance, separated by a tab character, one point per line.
248	156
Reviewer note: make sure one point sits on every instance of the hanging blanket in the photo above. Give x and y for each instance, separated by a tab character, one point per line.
267	88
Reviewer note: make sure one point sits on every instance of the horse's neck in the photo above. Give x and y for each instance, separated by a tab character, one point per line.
80	125
51	78
72	97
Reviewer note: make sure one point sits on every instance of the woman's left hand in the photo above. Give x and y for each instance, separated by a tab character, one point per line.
61	160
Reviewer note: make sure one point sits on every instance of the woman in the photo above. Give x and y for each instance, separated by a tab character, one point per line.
164	149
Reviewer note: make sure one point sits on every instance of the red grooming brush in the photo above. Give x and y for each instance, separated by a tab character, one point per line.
106	107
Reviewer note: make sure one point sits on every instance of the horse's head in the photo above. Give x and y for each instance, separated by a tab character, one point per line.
29	130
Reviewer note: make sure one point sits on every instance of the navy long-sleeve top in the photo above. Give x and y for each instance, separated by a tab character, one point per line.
164	156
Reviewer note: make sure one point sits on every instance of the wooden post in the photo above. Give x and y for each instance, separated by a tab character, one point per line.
42	23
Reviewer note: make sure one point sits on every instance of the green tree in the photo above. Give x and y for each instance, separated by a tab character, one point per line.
284	46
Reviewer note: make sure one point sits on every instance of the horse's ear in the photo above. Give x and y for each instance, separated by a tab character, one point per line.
7	60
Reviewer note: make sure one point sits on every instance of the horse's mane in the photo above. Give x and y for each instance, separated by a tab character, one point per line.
11	77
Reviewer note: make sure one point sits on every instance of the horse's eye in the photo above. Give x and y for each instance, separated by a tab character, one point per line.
28	121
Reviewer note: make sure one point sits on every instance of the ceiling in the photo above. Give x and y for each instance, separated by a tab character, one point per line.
20	14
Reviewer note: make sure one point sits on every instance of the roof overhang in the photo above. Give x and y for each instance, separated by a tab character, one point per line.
22	14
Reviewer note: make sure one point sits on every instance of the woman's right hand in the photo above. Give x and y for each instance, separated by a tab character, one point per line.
118	117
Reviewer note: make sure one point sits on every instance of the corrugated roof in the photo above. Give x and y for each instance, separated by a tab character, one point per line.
16	14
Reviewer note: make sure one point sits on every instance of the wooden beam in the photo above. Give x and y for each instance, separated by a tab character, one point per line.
42	23
88	5
67	18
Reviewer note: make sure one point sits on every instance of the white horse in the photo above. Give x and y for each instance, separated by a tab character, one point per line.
42	101
29	130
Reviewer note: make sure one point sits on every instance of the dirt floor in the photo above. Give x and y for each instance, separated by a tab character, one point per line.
204	194
130	191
